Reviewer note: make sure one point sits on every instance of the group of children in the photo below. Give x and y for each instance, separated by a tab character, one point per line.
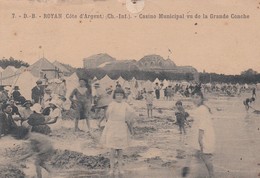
180	114
120	118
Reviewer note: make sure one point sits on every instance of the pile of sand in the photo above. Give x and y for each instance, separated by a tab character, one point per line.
9	171
70	159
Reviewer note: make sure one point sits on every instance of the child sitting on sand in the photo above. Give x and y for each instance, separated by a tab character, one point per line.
40	147
181	117
116	134
248	102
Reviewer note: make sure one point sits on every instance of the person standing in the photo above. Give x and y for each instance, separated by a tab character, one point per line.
37	92
41	149
181	117
81	100
254	92
202	136
149	103
116	134
157	89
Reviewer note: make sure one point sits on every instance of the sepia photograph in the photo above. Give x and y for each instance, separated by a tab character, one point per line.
129	89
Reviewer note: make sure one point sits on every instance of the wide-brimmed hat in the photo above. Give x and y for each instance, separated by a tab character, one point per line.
55	103
16	88
48	89
178	103
96	85
109	90
38	82
36	108
27	102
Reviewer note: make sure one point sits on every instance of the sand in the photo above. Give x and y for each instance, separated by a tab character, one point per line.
157	149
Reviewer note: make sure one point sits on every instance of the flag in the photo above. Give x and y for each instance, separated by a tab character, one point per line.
170	51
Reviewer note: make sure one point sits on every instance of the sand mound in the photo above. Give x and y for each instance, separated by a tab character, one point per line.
9	171
70	159
143	130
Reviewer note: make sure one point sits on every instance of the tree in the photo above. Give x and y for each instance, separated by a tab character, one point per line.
249	72
12	62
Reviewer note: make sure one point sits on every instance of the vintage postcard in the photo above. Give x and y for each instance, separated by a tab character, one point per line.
129	88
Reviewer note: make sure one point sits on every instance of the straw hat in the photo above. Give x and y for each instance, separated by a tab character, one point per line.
36	108
55	103
38	82
27	102
16	88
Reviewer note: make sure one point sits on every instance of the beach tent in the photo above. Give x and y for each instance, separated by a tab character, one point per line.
43	67
156	81
71	83
258	86
121	80
148	85
8	75
165	83
126	84
26	81
106	81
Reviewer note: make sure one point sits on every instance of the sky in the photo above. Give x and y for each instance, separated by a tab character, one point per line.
226	46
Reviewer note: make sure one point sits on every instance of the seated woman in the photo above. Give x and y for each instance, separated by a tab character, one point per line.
17	95
25	112
37	121
55	112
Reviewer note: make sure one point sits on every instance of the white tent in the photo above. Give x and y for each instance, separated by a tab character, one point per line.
106	81
258	86
8	75
156	81
165	83
126	84
21	70
121	80
71	83
148	85
26	81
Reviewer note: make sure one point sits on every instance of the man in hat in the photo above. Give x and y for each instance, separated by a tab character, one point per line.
7	124
37	92
157	89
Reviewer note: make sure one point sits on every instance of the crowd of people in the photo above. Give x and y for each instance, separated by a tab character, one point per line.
25	118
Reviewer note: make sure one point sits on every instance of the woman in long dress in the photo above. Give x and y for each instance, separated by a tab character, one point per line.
81	102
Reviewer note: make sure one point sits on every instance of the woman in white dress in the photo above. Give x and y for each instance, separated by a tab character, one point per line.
116	134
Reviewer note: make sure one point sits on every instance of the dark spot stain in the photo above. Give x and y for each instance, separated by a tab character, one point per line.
241	158
15	34
40	46
21	51
258	129
80	21
228	171
196	24
196	33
